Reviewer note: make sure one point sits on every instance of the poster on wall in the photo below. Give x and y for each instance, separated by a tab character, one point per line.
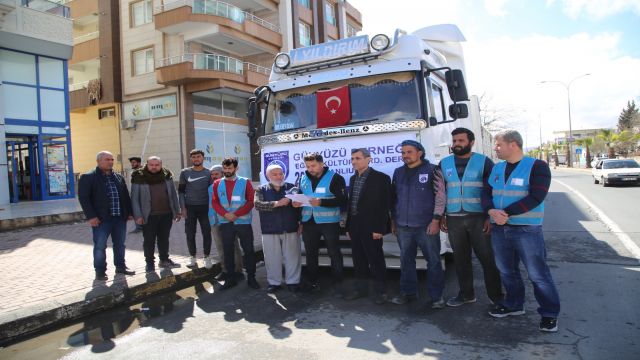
156	107
218	144
56	157
57	181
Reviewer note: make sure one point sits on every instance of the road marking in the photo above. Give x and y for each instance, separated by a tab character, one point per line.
631	246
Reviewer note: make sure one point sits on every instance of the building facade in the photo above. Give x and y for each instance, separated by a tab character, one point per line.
35	45
188	68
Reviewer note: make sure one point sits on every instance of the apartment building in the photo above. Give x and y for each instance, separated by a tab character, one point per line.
35	45
189	66
95	88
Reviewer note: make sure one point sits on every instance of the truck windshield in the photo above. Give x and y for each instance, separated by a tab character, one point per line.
380	98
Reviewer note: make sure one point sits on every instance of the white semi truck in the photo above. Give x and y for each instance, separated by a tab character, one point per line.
356	92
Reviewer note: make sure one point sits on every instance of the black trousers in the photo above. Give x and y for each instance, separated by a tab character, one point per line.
465	234
367	254
311	235
195	214
244	232
156	230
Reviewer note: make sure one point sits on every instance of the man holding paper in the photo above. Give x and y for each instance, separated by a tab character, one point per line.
327	191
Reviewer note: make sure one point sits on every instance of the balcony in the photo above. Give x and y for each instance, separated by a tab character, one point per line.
224	26
48	7
82	8
85	37
84	94
228	71
88	49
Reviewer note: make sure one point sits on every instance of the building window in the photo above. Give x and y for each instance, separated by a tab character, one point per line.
330	13
304	31
106	113
305	3
142	61
141	12
351	30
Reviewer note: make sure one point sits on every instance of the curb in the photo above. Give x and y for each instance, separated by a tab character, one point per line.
13	330
27	222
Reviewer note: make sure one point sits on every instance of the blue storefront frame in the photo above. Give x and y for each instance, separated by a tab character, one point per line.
43	134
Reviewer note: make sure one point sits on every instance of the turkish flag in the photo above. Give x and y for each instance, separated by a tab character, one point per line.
333	107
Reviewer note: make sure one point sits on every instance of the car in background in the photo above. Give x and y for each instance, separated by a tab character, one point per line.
616	171
598	158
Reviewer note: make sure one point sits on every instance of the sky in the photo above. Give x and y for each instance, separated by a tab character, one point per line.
514	45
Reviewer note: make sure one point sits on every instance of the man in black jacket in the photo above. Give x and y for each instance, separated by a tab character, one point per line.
106	204
367	222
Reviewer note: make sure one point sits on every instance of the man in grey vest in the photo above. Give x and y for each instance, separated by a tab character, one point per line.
466	173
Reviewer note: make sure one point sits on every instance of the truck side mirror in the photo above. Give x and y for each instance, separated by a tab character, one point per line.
432	121
458	111
456	86
251	117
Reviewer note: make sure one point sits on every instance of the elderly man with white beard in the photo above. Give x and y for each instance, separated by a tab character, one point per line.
280	223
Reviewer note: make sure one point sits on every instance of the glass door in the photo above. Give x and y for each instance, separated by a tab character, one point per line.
24	177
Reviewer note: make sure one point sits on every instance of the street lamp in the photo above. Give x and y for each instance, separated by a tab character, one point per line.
568	87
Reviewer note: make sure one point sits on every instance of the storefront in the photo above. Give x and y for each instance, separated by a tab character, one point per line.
36	127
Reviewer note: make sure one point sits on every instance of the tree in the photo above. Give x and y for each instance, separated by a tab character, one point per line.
626	142
555	148
586	142
609	138
494	117
628	116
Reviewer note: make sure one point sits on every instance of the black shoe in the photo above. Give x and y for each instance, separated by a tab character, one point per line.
381	299
273	288
228	284
168	264
251	281
239	276
355	295
102	277
548	324
221	277
460	300
401	299
294	288
125	271
150	268
501	311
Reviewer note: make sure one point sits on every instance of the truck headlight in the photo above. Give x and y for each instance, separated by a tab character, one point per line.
380	42
282	60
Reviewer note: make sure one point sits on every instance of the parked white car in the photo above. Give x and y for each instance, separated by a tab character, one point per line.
598	158
616	171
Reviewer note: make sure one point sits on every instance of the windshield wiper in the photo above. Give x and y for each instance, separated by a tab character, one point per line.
364	121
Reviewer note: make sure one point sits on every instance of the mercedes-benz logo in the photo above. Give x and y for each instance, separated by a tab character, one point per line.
365	128
295	136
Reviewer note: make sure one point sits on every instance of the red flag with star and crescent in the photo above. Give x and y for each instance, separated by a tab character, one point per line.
333	107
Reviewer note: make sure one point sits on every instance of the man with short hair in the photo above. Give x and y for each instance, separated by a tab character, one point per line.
194	195
519	185
106	204
136	163
466	173
327	191
232	199
216	173
418	204
155	206
280	223
367	222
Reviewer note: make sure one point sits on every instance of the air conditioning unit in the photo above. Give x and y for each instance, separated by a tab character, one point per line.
127	124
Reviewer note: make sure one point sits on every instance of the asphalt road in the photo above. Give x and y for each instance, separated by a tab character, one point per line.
597	277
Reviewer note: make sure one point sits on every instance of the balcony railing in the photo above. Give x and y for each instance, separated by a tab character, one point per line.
78	86
52	7
218	8
86	37
214	62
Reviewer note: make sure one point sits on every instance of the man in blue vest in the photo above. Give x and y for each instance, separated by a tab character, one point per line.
417	207
327	191
232	199
466	173
519	186
280	223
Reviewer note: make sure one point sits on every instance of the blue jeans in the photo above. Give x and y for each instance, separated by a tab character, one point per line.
526	243
117	228
409	239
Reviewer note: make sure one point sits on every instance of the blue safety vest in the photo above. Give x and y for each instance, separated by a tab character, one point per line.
514	189
466	194
213	216
238	199
321	214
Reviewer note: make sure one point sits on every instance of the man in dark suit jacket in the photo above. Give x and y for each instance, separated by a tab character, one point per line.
367	221
106	204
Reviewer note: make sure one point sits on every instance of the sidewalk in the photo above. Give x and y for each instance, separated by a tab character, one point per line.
34	213
47	275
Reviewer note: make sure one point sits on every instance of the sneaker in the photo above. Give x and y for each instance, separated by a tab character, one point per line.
151	267
438	304
228	284
208	262
221	277
548	324
500	311
192	264
168	264
402	299
253	283
273	288
459	301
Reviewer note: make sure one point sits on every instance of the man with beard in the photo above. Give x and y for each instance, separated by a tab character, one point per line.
466	174
136	164
194	196
155	206
232	199
419	201
280	223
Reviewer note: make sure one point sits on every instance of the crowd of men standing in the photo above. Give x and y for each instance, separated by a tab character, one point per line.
494	211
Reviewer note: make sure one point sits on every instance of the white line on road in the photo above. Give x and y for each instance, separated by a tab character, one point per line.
631	246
